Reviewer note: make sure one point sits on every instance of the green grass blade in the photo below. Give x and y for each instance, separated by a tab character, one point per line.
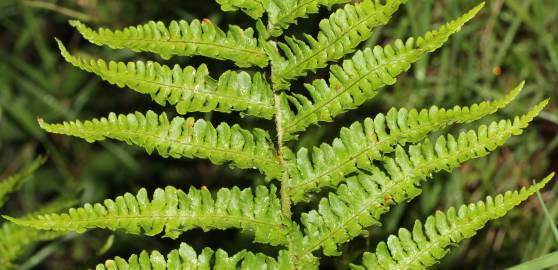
542	262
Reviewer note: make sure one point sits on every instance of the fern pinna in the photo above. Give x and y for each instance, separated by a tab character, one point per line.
371	166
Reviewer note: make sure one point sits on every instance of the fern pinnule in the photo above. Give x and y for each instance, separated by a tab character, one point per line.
431	240
359	78
175	211
183	39
361	201
186	258
339	35
363	142
188	89
180	137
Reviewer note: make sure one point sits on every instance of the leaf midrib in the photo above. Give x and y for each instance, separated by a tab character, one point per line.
230	218
259	53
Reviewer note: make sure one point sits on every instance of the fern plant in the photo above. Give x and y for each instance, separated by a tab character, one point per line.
371	166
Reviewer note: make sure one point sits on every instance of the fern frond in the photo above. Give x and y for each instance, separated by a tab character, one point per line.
183	39
254	8
364	198
282	13
358	79
175	211
188	89
15	239
180	137
338	36
430	241
186	258
12	183
362	143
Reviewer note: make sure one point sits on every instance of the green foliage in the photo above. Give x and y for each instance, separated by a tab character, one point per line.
282	13
15	240
254	8
186	258
360	202
13	182
373	164
189	89
429	242
362	143
180	137
358	79
175	211
339	35
183	39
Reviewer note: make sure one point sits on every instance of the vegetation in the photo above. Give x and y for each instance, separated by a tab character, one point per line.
310	200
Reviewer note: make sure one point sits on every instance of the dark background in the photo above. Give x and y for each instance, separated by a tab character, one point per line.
508	42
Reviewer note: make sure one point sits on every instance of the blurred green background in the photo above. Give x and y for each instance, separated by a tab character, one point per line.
510	41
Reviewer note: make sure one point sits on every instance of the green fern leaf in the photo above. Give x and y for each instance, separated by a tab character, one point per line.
362	143
282	13
175	211
12	183
186	258
254	8
360	78
180	137
338	36
360	202
429	242
188	89
184	39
